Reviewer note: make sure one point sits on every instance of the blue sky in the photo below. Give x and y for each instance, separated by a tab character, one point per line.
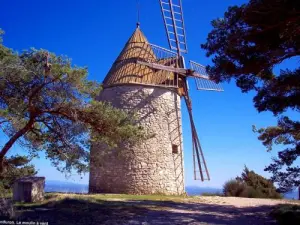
93	33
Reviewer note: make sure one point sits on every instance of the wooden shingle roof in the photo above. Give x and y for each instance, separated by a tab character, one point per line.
126	70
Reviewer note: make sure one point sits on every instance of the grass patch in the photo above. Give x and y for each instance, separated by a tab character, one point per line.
287	214
93	198
212	194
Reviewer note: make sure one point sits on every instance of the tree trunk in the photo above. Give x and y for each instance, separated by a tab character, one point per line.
12	140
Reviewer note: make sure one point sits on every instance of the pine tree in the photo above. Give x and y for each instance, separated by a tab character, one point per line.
15	167
246	44
47	104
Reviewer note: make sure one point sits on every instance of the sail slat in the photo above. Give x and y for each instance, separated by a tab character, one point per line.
204	83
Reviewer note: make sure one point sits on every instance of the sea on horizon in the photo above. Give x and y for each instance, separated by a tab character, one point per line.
69	187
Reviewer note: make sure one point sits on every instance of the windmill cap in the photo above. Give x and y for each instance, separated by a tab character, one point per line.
125	69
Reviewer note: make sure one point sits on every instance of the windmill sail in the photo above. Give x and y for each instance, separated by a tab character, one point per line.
204	83
200	167
174	24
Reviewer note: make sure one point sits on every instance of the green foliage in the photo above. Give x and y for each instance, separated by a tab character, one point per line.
234	188
47	104
15	167
250	39
246	44
250	192
250	185
287	214
287	132
264	186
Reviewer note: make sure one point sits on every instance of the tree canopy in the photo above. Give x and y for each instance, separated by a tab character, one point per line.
246	44
47	104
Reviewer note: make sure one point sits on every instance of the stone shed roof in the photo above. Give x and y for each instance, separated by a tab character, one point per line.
31	179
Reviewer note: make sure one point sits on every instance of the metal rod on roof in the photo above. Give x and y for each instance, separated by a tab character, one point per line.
138	13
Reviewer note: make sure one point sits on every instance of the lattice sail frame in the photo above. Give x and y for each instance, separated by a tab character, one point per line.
202	83
163	54
173	19
174	24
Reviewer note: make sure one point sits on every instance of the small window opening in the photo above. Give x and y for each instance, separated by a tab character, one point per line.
175	149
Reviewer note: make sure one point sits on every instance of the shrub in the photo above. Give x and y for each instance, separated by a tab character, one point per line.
250	192
234	188
261	187
250	185
287	214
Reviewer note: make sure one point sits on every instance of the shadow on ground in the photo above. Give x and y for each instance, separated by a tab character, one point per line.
73	211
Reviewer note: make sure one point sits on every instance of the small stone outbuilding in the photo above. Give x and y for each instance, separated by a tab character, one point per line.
29	189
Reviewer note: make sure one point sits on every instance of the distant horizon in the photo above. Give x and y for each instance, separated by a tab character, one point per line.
62	186
70	182
219	188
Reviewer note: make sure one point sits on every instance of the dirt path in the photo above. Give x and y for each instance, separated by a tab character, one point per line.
197	210
210	210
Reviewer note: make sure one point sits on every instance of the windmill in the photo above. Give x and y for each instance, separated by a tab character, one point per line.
150	81
172	14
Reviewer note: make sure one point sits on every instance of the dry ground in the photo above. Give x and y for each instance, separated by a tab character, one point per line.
67	209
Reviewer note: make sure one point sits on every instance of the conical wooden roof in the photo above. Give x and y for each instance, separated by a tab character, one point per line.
126	70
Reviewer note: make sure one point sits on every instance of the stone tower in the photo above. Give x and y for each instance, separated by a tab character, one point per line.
156	165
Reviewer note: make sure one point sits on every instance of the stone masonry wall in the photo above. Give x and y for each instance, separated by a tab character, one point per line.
149	167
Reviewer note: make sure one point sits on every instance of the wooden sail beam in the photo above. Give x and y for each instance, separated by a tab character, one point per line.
181	71
196	143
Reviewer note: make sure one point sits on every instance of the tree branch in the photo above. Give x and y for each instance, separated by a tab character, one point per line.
12	140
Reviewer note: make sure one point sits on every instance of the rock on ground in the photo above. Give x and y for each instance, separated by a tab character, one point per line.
6	208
